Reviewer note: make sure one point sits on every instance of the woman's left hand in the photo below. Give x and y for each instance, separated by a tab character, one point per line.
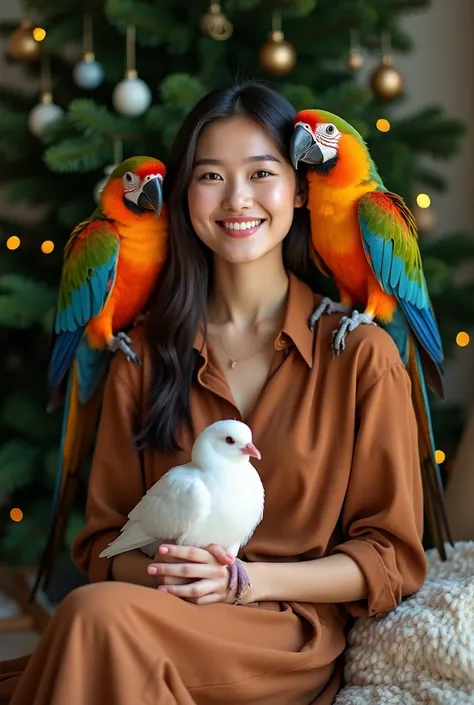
206	567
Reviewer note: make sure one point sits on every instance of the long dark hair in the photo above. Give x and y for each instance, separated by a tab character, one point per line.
179	304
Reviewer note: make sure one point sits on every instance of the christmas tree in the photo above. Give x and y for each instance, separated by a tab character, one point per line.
116	78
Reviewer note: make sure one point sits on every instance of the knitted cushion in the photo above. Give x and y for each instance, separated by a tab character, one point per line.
422	651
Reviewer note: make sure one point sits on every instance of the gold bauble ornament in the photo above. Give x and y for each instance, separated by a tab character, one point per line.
215	23
277	56
425	219
22	46
386	81
355	60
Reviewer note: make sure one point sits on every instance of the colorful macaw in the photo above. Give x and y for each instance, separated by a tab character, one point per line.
111	264
366	238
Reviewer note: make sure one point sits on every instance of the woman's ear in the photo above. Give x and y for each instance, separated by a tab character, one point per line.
301	193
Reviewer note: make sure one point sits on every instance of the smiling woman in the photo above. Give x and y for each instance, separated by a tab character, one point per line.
228	337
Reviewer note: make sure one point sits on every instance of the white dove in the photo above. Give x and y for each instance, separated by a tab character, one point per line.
216	498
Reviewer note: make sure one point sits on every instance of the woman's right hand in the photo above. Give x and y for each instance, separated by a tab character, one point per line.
168	579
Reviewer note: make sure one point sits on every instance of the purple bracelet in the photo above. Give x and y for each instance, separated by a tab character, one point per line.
239	579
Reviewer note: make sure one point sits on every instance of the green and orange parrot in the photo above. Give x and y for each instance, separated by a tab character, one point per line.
111	264
365	237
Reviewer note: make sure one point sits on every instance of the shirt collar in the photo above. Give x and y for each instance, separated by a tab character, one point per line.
300	305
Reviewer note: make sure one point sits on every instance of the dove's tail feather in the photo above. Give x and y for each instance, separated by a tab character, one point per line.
132	536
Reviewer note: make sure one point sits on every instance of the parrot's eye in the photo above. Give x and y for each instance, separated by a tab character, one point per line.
129	177
330	129
229	440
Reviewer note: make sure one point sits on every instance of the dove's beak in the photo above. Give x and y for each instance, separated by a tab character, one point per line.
250	449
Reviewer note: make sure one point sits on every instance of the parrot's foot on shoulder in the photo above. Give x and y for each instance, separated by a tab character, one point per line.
326	306
348	324
123	342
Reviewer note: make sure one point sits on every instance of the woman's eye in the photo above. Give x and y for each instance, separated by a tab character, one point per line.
211	176
262	173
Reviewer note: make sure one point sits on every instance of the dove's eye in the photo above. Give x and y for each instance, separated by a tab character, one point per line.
229	440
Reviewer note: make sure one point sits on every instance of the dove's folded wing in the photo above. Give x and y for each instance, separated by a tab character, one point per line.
175	505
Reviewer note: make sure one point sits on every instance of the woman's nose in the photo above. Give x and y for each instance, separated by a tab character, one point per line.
238	195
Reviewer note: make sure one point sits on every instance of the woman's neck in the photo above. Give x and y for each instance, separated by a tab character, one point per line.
247	294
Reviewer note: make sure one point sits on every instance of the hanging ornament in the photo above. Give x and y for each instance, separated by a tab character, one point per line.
88	73
132	96
118	158
22	46
277	56
386	81
46	112
355	59
215	23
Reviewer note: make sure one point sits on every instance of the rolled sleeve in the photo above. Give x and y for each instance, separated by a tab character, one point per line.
382	517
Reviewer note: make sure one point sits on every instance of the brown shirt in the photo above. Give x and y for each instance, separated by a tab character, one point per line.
339	456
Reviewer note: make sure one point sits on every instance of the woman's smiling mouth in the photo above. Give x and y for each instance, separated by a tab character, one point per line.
240	227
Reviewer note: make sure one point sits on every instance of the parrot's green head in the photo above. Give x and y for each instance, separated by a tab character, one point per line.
135	188
330	147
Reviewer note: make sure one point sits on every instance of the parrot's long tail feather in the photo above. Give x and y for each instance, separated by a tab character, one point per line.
434	504
79	424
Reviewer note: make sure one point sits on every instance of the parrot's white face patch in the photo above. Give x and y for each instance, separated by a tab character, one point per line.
327	136
133	185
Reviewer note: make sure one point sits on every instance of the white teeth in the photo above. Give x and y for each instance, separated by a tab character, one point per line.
241	226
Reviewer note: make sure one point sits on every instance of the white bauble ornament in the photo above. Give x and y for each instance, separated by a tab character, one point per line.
43	115
100	184
132	96
88	73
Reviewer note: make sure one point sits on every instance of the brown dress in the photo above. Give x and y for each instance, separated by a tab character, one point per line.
341	473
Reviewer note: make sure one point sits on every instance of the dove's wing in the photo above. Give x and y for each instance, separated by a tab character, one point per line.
175	505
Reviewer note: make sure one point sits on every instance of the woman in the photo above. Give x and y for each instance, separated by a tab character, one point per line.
228	338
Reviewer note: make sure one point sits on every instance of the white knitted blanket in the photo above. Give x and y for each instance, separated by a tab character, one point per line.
422	651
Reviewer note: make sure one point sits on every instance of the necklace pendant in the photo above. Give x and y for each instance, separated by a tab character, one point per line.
232	363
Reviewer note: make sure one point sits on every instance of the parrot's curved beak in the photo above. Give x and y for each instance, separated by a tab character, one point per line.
251	450
151	197
303	148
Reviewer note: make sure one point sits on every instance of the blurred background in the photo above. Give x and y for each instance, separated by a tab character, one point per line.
85	84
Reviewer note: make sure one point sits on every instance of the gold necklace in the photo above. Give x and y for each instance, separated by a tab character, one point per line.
233	360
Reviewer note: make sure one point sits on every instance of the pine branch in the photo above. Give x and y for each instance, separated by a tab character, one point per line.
97	121
18	464
430	131
452	250
27	417
23	301
153	22
78	154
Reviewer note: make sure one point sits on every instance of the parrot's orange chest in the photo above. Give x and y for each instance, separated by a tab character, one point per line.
336	236
140	261
141	257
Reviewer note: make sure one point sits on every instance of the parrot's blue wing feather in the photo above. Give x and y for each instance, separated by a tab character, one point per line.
92	366
390	242
87	278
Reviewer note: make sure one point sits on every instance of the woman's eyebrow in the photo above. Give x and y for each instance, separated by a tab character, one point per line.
217	162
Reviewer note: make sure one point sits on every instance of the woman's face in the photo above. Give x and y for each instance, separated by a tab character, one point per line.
242	192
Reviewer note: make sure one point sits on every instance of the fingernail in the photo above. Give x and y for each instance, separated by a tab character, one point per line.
230	556
163	549
163	589
152	570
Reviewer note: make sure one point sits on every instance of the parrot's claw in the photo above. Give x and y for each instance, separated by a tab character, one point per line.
348	324
123	342
326	306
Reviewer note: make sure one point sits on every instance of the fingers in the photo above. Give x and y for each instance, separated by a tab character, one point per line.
188	570
219	554
195	555
201	592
